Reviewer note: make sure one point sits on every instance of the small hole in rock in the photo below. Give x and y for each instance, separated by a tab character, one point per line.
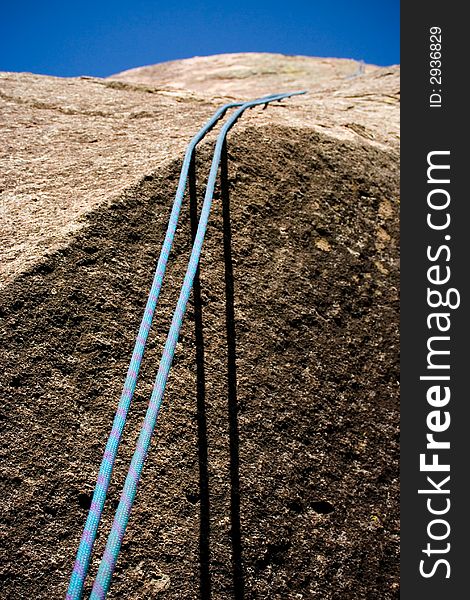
17	380
192	497
17	304
84	500
295	507
322	507
50	510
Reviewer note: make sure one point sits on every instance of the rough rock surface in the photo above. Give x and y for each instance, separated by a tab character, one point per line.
246	74
70	145
304	424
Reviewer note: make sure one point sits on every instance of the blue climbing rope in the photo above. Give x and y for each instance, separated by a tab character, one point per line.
113	545
85	548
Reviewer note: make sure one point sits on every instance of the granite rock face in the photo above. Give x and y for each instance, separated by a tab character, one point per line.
71	145
274	468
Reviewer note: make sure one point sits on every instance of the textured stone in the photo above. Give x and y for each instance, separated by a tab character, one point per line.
70	145
271	476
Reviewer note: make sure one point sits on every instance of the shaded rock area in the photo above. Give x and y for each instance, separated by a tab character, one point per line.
273	472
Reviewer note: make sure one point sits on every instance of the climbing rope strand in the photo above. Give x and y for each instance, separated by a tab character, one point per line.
85	548
113	545
104	475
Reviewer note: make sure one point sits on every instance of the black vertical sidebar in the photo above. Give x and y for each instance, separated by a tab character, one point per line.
435	523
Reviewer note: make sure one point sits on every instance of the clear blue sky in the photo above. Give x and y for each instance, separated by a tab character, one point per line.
70	38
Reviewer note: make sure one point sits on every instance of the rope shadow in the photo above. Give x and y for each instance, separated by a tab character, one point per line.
204	506
205	532
236	538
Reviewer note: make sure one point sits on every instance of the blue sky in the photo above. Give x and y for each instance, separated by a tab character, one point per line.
71	38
